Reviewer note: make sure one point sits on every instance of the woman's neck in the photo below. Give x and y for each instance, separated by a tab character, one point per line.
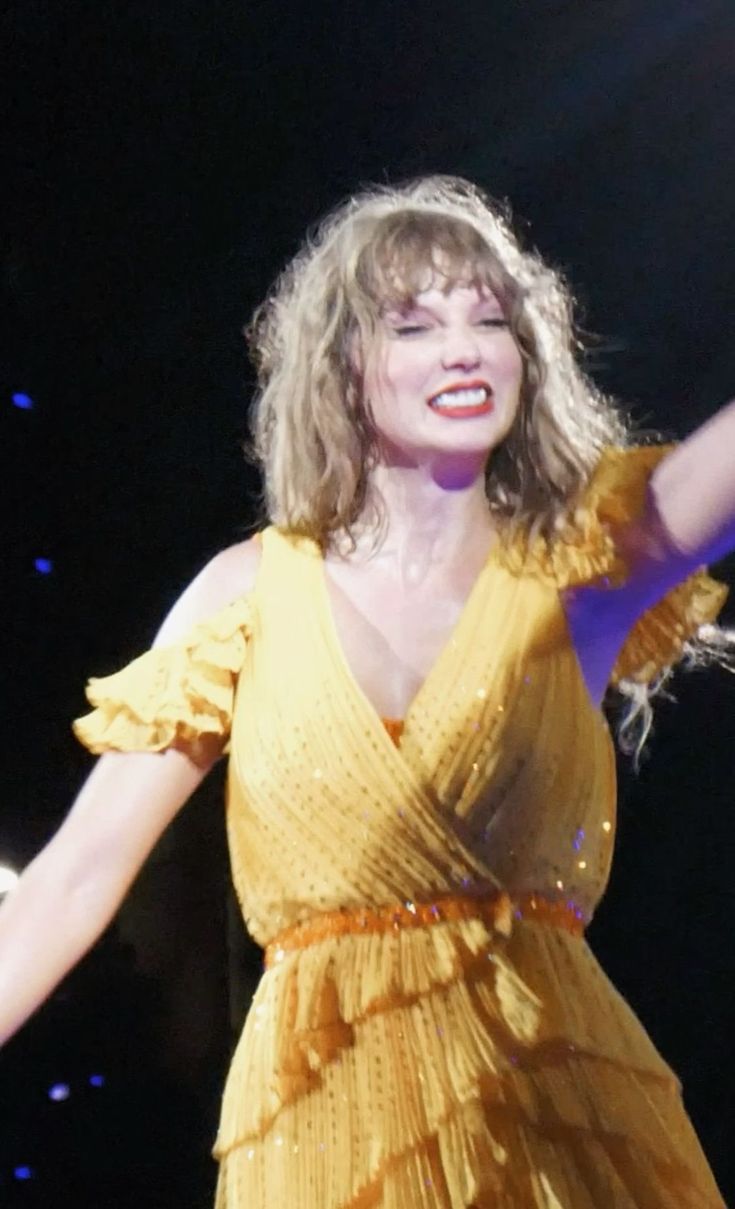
414	545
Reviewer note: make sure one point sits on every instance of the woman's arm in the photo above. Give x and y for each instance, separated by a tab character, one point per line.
689	520
694	490
67	896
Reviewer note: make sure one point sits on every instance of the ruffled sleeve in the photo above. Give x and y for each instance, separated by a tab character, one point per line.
171	694
585	552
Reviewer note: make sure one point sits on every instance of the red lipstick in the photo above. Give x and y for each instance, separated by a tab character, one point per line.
463	410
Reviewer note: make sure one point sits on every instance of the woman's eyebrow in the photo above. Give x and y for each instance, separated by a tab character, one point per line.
401	310
490	300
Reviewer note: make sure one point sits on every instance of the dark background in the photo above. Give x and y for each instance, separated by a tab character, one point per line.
162	162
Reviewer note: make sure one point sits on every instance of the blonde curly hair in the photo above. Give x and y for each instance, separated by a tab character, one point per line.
312	434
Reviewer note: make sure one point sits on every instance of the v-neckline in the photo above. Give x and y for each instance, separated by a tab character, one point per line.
452	639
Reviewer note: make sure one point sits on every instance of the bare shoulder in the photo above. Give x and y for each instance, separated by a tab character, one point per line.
228	576
231	573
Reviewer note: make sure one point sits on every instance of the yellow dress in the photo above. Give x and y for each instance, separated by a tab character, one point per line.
453	1064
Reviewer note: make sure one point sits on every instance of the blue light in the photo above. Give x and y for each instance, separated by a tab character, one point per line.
97	1080
44	565
23	1173
59	1092
23	401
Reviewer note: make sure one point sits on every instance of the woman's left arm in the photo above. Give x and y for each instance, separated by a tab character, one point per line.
688	520
694	491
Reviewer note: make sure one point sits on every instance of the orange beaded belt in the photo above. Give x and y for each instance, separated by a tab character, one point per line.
497	909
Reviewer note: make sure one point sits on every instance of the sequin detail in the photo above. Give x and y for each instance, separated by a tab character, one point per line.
372	1064
496	909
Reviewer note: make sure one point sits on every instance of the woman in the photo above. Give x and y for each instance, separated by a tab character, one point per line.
461	551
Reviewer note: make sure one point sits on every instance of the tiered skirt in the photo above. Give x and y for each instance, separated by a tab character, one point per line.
450	1067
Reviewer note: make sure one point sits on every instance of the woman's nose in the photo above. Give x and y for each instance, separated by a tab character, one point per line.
461	350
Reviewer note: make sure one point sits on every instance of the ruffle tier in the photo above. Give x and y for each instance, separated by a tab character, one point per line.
170	694
424	1070
585	552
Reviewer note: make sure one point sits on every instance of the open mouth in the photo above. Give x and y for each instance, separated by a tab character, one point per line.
470	400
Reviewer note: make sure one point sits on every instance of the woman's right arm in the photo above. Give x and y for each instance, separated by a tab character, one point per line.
69	893
67	896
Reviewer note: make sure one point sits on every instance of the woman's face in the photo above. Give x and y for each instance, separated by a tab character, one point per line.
445	375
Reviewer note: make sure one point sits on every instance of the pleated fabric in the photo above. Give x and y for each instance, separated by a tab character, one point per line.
451	1066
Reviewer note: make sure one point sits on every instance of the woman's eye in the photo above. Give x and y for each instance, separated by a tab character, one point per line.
495	322
409	329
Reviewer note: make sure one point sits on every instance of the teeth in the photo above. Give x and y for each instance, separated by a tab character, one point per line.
461	398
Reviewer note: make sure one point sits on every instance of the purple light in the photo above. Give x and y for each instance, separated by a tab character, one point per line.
44	565
25	402
59	1092
578	839
23	1173
97	1080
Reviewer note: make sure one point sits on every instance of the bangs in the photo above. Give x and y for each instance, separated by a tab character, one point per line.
415	250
